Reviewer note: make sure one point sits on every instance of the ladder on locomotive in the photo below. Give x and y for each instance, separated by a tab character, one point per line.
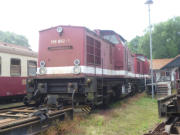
100	88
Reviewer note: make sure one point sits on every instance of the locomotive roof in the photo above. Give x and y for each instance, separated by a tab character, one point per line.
88	30
112	32
92	32
62	26
138	54
16	49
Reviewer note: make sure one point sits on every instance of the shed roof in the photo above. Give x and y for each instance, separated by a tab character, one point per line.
174	63
159	63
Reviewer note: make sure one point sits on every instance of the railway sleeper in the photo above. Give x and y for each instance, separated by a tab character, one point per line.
30	120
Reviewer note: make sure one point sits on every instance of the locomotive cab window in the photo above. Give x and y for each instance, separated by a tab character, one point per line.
111	38
15	67
32	68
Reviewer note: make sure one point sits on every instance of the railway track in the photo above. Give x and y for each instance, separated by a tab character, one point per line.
3	109
23	120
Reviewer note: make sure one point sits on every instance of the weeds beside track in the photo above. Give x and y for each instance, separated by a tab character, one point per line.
132	116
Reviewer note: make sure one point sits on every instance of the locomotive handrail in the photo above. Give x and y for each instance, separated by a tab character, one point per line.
73	98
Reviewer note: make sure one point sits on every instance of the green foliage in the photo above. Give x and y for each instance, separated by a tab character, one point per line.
134	44
165	40
13	38
133	116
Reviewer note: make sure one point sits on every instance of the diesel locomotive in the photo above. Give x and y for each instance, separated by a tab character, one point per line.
88	67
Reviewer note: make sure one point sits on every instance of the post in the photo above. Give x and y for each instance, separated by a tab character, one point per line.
151	66
149	2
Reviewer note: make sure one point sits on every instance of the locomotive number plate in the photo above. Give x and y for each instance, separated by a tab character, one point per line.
60	41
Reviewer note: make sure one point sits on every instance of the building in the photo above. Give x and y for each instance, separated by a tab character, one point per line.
161	75
174	67
166	72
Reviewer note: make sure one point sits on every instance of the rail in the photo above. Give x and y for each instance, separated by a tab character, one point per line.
8	108
30	120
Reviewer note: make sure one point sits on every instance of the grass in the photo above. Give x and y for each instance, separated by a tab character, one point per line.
133	116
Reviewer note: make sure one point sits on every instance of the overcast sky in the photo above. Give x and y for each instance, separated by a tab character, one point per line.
127	17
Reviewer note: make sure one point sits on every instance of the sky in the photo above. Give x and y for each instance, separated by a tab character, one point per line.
127	17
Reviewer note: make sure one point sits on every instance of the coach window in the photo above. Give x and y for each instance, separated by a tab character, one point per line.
32	68
15	67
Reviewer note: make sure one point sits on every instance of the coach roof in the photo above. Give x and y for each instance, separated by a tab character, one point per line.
16	49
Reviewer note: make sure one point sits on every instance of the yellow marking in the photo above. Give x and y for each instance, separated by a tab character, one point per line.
86	108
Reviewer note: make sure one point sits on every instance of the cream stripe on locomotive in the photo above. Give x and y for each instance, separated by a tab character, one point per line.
90	70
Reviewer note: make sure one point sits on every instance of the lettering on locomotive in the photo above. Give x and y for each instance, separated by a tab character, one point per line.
59	41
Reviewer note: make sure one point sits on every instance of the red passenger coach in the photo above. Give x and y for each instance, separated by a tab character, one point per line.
93	66
16	63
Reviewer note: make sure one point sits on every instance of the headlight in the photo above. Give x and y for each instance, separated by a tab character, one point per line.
59	29
42	63
88	81
77	70
42	70
76	62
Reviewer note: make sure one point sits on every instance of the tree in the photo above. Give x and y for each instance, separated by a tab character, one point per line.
165	40
13	38
134	44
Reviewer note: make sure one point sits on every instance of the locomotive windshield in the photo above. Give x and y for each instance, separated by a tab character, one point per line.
112	38
141	58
